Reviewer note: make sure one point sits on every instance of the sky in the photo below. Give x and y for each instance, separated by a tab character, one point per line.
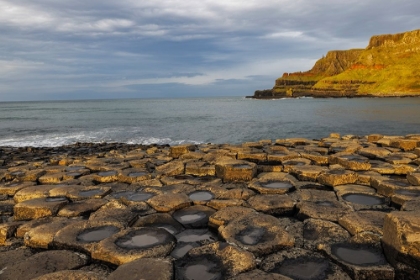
61	50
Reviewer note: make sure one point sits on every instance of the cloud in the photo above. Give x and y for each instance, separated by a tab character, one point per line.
56	47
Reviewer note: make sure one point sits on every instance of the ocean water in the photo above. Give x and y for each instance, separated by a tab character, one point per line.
201	120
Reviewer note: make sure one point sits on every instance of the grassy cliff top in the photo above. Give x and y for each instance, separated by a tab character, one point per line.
390	64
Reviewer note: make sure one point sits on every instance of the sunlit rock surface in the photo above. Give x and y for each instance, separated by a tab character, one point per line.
285	209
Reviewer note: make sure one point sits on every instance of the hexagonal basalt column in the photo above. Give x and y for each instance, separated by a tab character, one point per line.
235	170
38	208
401	238
302	264
146	269
196	216
337	177
133	244
84	235
273	183
258	233
361	261
214	261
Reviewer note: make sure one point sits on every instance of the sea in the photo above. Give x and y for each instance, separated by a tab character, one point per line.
201	120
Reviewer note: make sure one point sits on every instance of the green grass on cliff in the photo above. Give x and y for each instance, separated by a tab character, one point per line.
400	72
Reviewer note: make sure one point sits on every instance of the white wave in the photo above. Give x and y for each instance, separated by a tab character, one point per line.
55	140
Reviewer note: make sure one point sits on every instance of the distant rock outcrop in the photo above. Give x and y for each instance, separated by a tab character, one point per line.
389	66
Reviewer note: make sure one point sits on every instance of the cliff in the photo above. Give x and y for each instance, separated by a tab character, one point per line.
388	66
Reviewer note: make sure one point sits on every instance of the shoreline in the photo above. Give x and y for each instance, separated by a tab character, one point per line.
269	94
251	210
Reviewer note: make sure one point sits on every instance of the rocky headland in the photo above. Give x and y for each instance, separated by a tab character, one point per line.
389	66
335	208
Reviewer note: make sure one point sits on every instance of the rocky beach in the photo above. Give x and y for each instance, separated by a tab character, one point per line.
340	207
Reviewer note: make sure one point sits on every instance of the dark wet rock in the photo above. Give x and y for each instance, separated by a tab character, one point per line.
14	256
277	205
6	207
145	268
201	197
273	183
261	275
401	237
10	188
361	261
169	202
71	275
302	264
412	205
364	201
38	208
202	236
44	263
259	233
319	232
207	267
196	216
227	214
81	208
133	244
114	212
364	223
231	260
307	172
182	248
160	220
84	235
294	228
337	177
